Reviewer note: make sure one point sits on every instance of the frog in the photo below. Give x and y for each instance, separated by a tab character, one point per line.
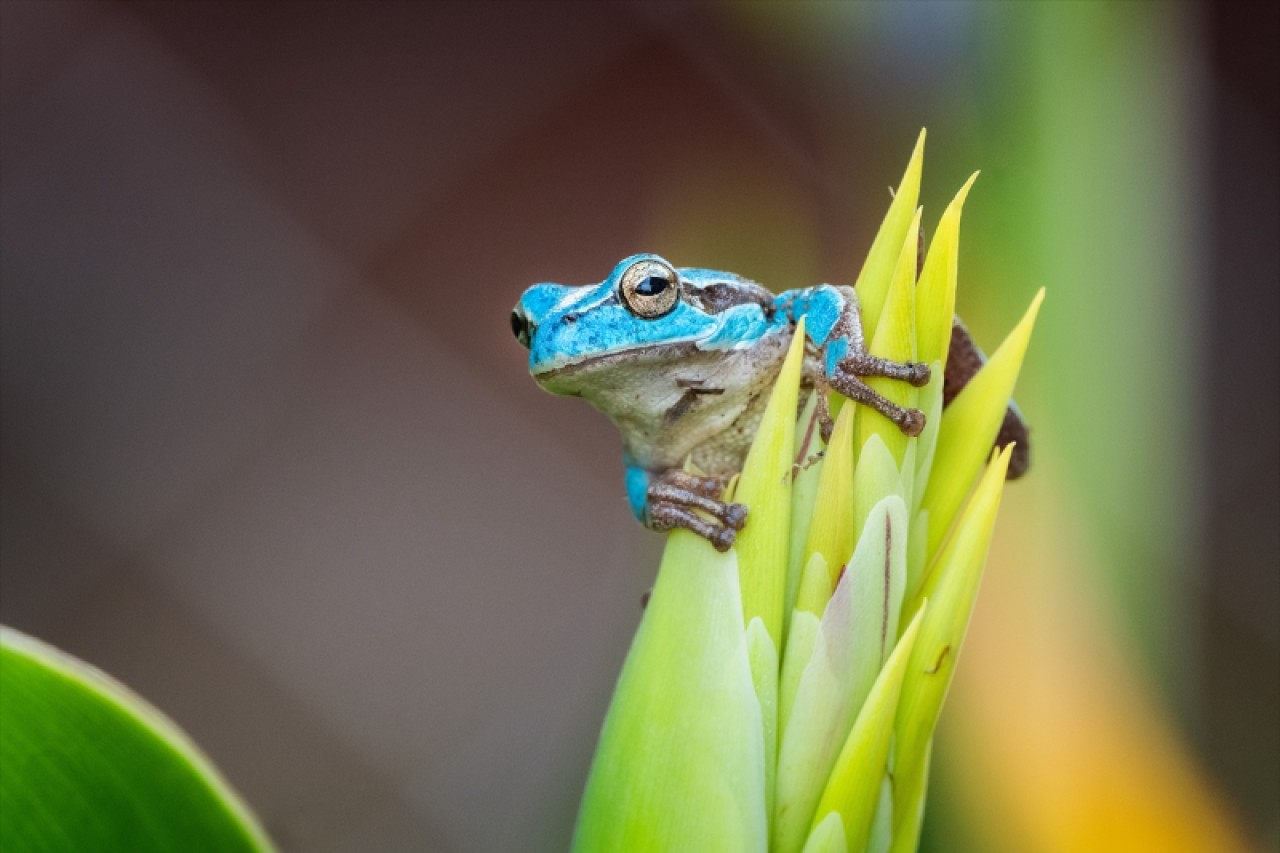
682	360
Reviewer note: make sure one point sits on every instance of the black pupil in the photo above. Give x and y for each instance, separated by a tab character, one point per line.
652	286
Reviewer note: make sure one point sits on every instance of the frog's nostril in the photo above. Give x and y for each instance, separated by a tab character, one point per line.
521	327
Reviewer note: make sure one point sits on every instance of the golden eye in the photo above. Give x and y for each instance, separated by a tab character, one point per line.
650	289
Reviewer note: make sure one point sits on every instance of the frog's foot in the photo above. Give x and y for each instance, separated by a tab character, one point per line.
708	487
673	497
910	421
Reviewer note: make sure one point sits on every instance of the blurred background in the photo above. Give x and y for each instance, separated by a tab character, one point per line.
271	456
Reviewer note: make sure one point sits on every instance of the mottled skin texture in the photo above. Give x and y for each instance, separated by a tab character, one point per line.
683	362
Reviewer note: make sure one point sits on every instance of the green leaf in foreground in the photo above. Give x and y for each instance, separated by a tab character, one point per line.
681	764
86	765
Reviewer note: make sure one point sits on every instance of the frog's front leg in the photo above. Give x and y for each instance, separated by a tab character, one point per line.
668	500
834	324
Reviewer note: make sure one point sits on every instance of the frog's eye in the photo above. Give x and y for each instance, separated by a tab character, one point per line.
521	327
650	289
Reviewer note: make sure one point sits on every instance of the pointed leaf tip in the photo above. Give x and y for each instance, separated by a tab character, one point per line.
917	153
877	271
936	292
894	338
969	428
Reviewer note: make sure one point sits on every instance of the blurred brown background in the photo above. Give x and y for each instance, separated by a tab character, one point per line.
271	456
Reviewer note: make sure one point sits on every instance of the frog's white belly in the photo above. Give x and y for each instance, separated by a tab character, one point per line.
702	405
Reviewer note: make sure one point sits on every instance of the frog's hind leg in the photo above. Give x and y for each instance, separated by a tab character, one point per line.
860	392
673	496
846	361
822	408
910	421
964	360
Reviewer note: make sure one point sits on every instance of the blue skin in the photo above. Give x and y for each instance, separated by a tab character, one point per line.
638	481
615	329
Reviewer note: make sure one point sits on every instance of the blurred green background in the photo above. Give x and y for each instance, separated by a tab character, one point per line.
271	457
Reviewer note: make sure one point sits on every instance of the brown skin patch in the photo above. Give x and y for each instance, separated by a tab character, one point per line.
719	297
964	360
1013	430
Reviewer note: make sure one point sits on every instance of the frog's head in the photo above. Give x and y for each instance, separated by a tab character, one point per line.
645	314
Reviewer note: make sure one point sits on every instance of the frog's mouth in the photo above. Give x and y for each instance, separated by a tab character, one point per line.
638	357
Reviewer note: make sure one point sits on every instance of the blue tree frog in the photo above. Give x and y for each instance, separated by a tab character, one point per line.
683	360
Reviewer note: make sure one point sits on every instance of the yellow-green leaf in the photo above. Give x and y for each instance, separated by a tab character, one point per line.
680	763
853	789
800	639
951	589
877	271
831	531
815	586
936	292
858	627
910	788
765	487
804	491
881	835
763	656
969	427
916	556
895	339
930	402
875	477
827	836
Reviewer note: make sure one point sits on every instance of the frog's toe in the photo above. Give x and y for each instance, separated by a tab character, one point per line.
722	539
674	500
734	516
864	364
707	487
911	421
